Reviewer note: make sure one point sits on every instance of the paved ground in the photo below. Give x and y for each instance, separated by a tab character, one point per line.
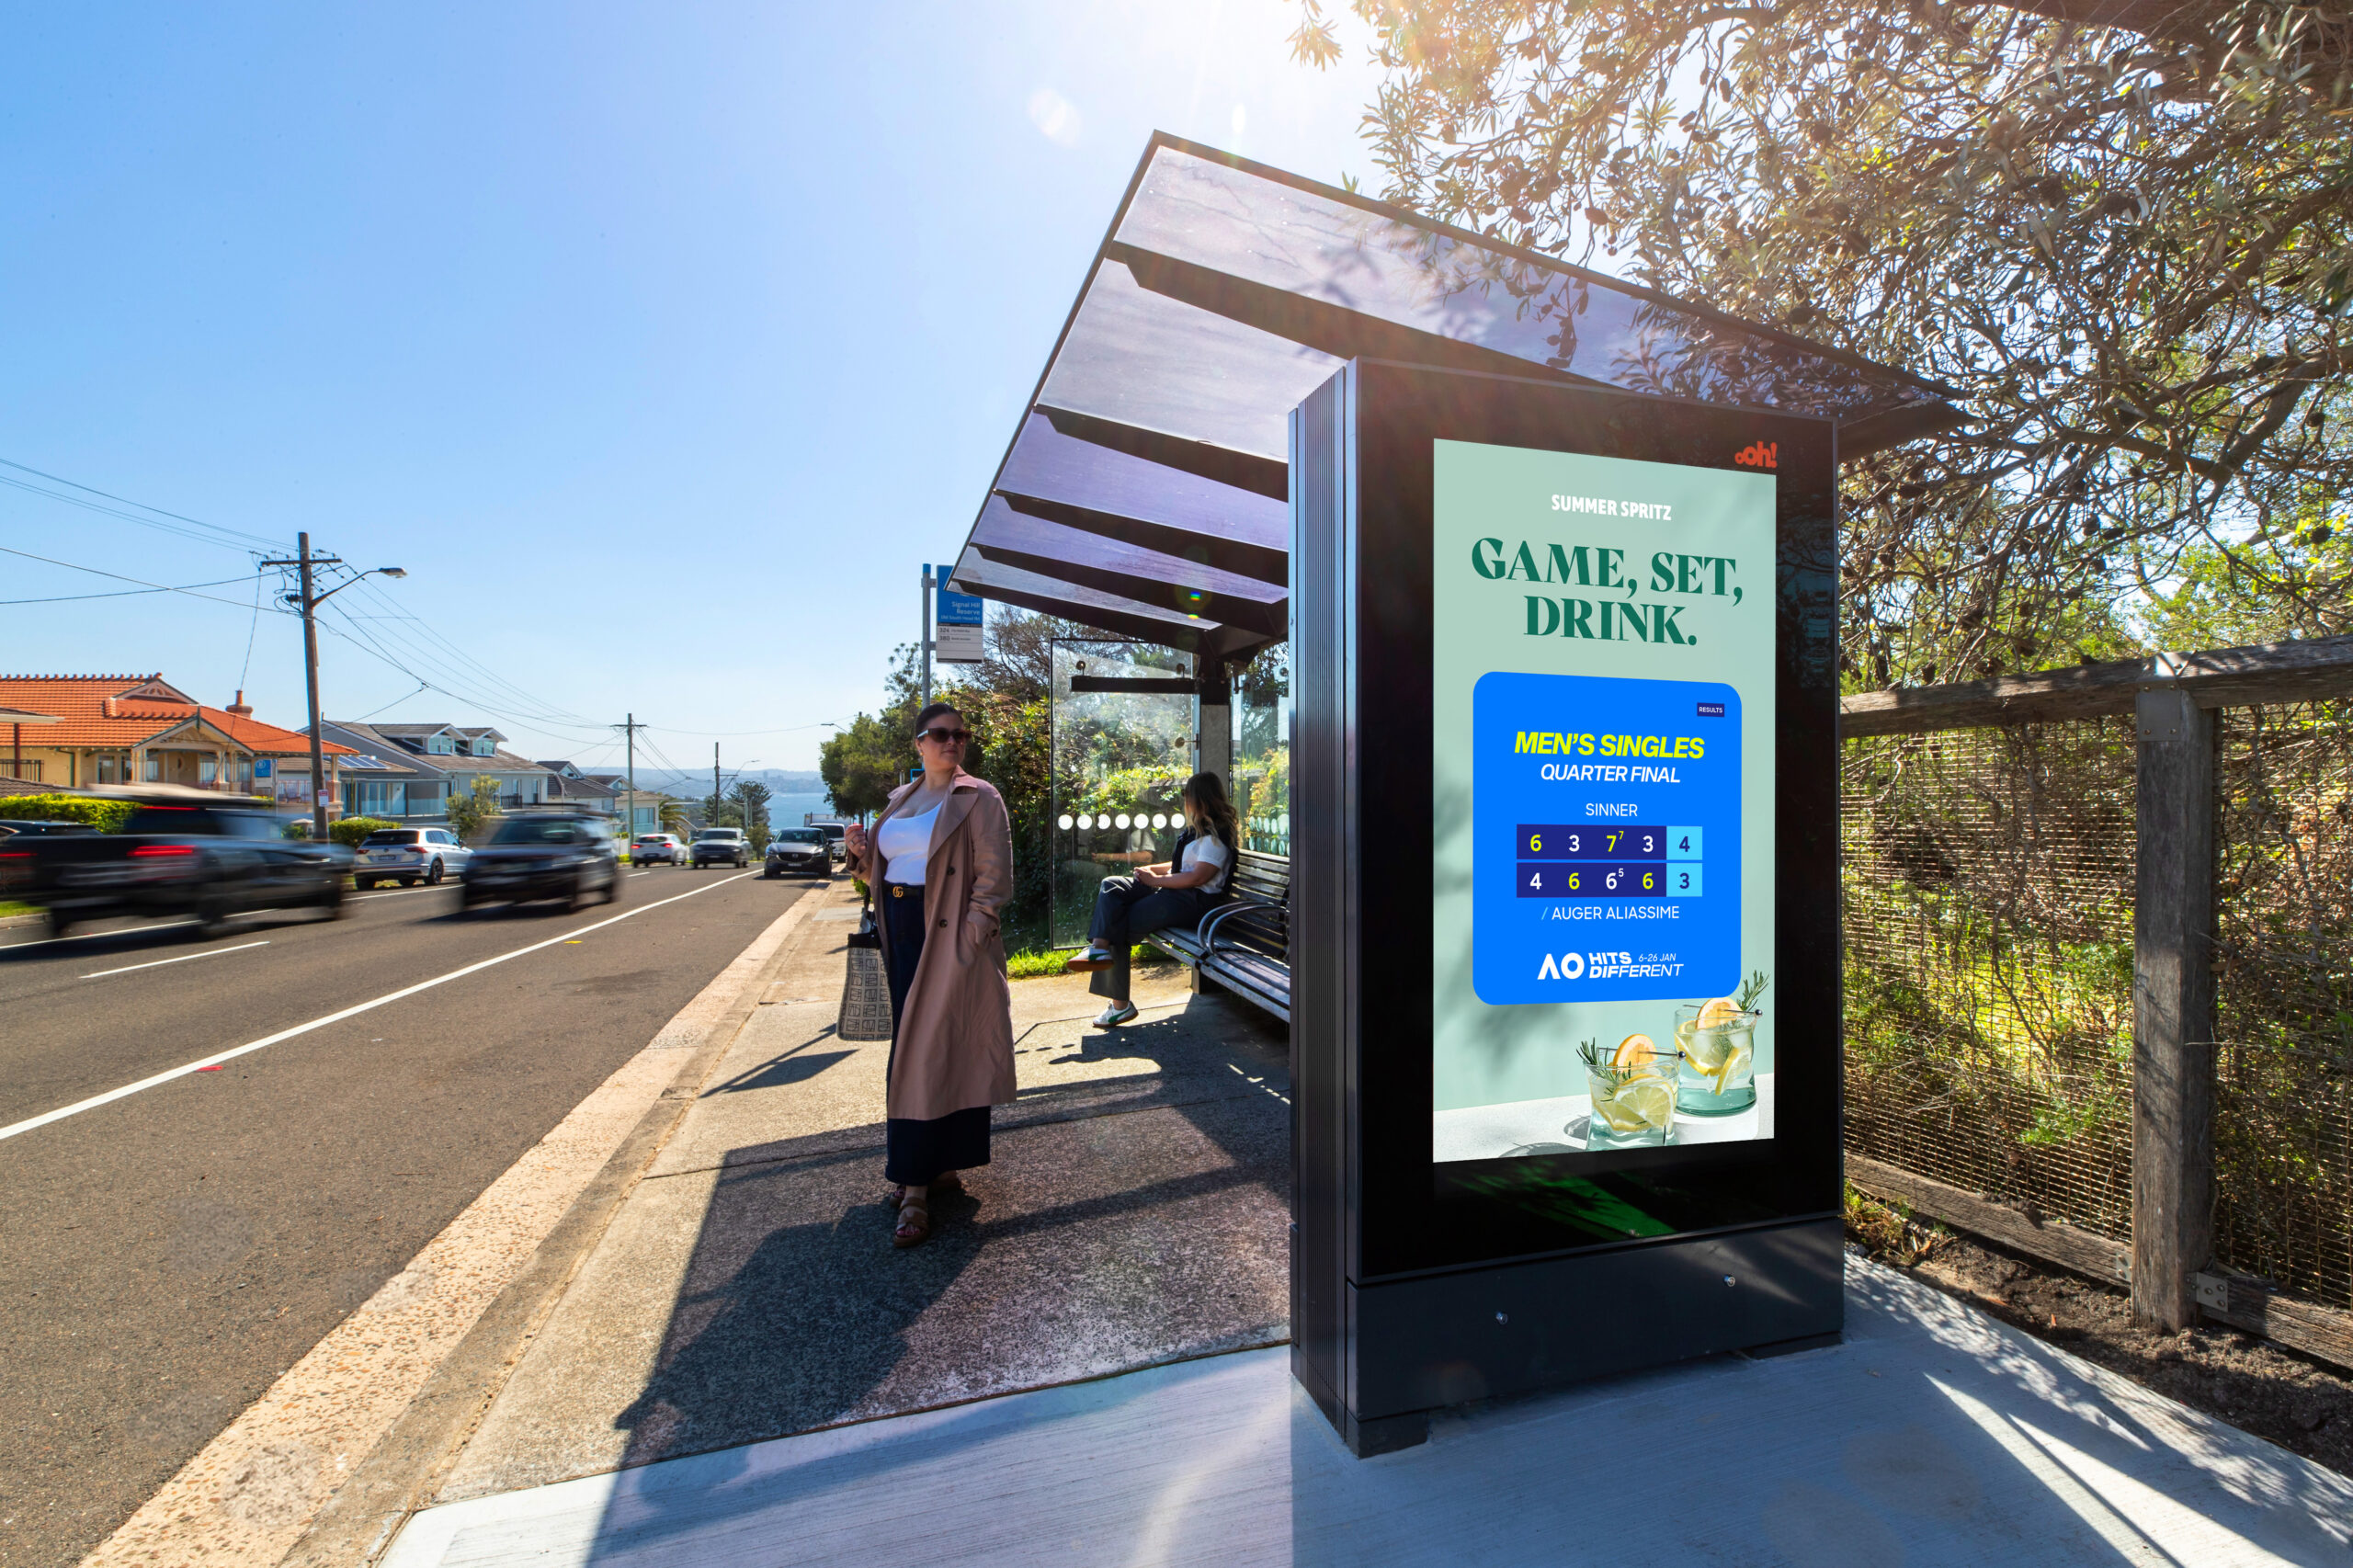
1135	1212
1933	1435
173	1252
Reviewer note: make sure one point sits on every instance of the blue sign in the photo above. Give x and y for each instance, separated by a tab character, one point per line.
263	767
1606	838
954	609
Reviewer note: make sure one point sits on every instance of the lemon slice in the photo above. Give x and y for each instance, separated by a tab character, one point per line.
1650	1102
1733	1063
1616	1111
1717	1014
1707	1049
1634	1051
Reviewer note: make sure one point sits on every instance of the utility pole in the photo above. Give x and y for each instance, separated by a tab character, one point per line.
630	729
714	784
310	600
927	638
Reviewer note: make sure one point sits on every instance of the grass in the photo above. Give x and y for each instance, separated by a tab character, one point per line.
1036	963
8	909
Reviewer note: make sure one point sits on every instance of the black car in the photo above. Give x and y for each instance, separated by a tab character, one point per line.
173	856
798	852
536	855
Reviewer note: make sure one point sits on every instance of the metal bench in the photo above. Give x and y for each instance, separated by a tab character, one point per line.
1244	944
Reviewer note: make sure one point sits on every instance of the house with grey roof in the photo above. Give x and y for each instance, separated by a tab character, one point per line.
421	765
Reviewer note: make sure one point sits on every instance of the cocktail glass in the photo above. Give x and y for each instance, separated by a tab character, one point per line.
1717	1047
1633	1107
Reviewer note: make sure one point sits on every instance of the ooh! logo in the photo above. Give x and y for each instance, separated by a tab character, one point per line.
1758	454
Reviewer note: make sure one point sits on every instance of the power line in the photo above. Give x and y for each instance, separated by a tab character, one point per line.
210	529
124	594
120	577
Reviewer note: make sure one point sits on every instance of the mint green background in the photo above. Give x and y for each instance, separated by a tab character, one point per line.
1488	1055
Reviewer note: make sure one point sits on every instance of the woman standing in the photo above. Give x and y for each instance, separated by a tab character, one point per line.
1177	893
939	861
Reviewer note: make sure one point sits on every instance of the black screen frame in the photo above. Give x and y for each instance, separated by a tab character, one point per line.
1416	1216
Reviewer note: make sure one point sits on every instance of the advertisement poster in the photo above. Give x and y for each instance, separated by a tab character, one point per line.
1603	762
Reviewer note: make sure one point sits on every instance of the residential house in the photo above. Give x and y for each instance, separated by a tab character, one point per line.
642	809
381	780
432	762
129	729
584	790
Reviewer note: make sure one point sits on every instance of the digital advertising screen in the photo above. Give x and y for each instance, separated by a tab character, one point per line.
1603	729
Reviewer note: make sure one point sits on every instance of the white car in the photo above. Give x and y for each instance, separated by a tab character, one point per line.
409	856
650	847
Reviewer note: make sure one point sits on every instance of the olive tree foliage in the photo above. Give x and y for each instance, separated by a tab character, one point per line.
2125	252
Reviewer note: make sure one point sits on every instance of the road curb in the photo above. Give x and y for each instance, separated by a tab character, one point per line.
399	1473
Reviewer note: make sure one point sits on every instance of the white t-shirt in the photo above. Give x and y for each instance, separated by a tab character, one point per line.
905	843
1205	851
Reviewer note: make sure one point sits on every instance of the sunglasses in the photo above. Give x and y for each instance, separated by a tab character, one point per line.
944	737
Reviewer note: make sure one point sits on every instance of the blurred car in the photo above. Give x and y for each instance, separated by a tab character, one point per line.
536	855
836	838
798	852
409	856
173	858
716	843
41	827
657	848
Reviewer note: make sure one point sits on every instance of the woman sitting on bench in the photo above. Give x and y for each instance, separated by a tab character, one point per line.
1177	893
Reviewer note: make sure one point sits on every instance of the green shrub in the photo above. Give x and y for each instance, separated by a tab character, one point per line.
1038	963
107	816
349	831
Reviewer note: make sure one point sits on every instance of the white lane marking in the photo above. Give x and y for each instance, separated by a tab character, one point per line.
184	957
640	873
94	936
32	1123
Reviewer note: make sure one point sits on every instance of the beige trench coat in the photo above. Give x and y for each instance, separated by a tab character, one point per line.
954	1048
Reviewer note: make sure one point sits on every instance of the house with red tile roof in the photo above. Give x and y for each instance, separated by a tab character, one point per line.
111	730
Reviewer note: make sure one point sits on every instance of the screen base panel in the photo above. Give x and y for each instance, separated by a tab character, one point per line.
1423	1344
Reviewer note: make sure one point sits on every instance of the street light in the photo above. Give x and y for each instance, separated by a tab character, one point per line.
310	602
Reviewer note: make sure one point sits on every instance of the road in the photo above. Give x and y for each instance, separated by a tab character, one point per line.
170	1252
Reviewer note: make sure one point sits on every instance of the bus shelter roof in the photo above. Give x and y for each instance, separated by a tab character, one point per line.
1145	490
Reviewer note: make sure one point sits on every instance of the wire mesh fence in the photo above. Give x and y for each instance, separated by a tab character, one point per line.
1988	924
1989	962
2283	1069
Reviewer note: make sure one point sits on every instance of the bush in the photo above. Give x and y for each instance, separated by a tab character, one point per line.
107	816
349	831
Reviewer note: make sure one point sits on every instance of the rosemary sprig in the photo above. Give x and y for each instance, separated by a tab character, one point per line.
1750	989
1612	1078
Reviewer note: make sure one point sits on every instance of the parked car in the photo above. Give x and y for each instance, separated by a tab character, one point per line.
836	838
204	860
727	844
536	855
799	852
409	856
657	848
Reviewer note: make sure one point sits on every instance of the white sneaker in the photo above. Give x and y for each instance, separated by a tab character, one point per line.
1116	1013
1088	958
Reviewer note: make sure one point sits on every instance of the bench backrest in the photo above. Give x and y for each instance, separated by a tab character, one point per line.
1267	877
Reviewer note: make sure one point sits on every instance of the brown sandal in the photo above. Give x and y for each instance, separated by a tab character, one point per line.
914	1225
951	1182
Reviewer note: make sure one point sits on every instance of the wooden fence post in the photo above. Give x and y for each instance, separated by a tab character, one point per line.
2173	1005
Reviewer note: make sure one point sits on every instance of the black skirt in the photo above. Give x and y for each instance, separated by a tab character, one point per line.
916	1153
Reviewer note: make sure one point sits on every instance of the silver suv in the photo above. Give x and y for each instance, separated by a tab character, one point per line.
717	844
409	856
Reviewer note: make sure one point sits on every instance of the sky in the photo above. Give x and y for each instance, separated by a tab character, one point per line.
661	345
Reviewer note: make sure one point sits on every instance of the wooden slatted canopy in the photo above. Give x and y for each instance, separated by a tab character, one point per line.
1145	489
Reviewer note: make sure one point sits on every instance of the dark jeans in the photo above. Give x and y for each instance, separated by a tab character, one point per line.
915	1151
1124	911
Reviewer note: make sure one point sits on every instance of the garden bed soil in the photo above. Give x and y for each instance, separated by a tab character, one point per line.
2303	1405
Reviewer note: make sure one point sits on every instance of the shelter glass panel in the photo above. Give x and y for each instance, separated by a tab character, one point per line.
1119	762
1260	784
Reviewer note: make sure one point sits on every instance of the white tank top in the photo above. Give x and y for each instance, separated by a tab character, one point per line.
905	843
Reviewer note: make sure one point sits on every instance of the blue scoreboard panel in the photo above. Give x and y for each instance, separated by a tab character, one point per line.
1606	838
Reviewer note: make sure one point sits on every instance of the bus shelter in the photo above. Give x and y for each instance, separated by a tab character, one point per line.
1552	560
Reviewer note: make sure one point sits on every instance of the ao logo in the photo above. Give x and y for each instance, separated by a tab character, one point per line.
1571	967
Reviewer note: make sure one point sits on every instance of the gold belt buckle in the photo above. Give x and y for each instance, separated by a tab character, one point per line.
898	889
